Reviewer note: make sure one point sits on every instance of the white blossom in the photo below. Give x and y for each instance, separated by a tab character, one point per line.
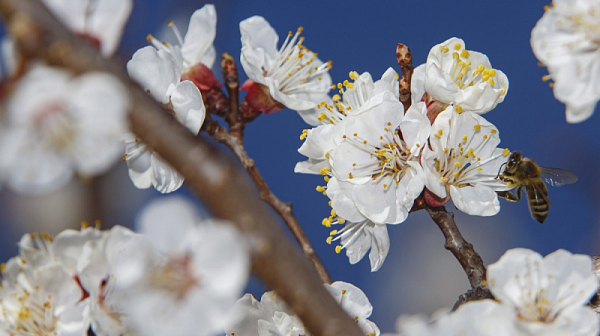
58	125
291	76
159	74
460	77
195	53
547	295
359	150
187	279
565	40
272	317
462	163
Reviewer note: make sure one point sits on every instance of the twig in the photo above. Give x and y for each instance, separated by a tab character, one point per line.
230	77
462	250
283	209
212	175
595	300
404	58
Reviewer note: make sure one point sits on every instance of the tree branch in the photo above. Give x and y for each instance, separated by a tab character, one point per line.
284	210
404	58
462	250
212	175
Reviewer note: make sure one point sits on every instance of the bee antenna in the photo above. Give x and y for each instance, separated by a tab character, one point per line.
500	170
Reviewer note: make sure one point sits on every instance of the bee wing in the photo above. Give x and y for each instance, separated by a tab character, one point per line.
557	177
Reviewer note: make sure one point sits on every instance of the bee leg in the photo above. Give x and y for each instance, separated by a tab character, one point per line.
510	196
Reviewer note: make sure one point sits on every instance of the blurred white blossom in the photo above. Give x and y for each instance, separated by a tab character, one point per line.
547	296
565	40
58	124
187	279
101	22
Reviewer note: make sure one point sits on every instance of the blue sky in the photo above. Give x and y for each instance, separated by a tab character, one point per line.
418	276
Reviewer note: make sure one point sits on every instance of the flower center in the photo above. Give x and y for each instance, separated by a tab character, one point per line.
55	124
175	277
464	73
35	315
462	166
293	67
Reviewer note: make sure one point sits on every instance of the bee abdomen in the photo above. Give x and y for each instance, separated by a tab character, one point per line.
538	201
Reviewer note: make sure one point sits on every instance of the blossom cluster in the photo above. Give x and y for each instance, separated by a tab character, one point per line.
179	276
377	158
534	296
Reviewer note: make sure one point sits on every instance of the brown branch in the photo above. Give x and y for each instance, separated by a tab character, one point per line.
212	175
462	250
230	77
283	209
404	58
595	300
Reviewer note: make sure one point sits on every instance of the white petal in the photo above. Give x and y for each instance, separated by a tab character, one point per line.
188	106
259	47
479	201
165	178
198	42
156	71
108	22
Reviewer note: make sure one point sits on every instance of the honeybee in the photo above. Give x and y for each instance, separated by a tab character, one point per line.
521	172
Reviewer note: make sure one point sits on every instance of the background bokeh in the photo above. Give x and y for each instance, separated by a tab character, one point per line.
419	276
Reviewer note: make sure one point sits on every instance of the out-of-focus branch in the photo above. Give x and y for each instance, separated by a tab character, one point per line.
284	210
404	58
462	250
212	175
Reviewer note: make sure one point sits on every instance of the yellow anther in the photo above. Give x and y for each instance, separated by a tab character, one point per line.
485	136
477	127
350	85
546	8
455	174
455	55
494	131
503	92
551	84
465	138
465	54
149	37
505	152
385	185
491	81
300	29
457	46
457	164
492	72
440	132
303	135
353	75
350	175
336	97
341	220
443	179
329	240
320	189
170	23
338	249
333	214
333	232
326	178
444	49
479	169
458	109
85	225
333	86
339	85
